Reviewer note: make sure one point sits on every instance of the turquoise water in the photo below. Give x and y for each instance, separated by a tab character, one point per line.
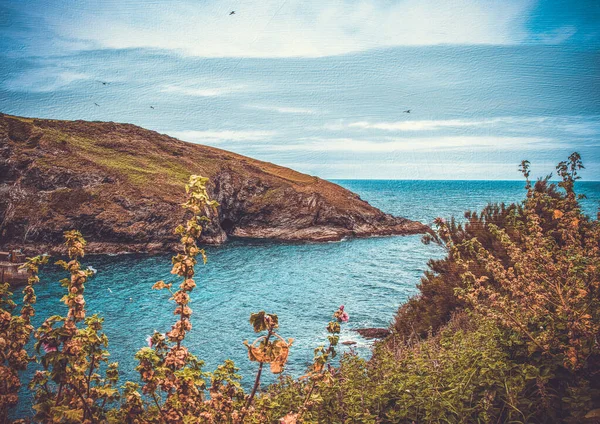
302	283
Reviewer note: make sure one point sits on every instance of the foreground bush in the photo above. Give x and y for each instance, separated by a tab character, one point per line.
463	374
533	270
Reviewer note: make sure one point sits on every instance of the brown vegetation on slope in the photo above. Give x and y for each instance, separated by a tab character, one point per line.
120	184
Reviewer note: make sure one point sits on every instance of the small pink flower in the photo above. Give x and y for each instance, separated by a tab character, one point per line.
149	341
345	317
49	347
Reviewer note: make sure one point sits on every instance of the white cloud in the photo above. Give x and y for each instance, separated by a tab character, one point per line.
577	125
197	91
423	125
294	28
215	137
557	36
391	144
283	109
414	169
44	80
586	128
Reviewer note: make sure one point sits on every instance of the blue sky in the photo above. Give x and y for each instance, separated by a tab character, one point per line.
322	86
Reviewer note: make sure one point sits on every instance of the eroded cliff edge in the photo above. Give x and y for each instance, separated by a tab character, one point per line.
121	185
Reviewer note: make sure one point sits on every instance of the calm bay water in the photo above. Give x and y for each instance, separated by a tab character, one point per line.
302	283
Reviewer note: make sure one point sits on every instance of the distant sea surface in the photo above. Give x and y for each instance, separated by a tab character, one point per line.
302	283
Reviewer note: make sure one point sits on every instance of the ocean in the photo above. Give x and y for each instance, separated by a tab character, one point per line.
303	283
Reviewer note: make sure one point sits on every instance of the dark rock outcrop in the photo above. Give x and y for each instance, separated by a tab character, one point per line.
373	333
122	186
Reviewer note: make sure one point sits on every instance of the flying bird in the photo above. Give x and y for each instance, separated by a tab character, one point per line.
104	82
96	104
151	107
232	13
407	111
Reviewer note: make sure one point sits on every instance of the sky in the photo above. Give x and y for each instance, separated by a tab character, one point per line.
323	87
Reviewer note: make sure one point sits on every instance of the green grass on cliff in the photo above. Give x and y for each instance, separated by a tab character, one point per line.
139	168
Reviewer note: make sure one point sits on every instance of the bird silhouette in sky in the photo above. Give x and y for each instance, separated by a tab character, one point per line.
407	111
232	13
104	82
96	104
151	107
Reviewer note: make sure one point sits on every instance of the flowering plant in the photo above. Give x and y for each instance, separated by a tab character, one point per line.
15	331
70	388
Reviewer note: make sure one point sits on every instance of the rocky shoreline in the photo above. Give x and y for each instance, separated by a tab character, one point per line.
122	186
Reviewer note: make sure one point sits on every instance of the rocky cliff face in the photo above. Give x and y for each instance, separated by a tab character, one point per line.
121	185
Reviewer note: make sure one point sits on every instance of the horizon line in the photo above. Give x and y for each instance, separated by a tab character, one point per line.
437	179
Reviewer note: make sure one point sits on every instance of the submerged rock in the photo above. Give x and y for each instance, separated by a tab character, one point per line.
373	333
122	186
